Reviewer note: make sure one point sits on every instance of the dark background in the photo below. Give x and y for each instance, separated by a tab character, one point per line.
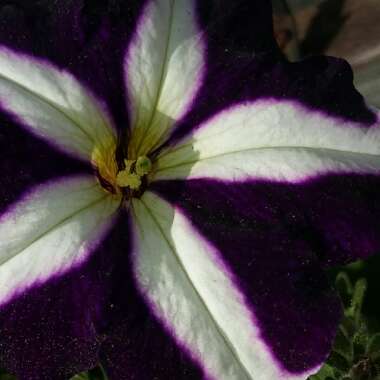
348	29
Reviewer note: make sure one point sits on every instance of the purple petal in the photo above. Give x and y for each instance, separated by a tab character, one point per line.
91	313
136	346
53	331
51	104
322	84
47	304
239	27
89	42
272	140
163	71
195	294
277	238
27	161
49	333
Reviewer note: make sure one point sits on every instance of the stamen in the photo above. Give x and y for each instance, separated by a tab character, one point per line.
132	175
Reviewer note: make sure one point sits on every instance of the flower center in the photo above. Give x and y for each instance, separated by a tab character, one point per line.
134	173
127	178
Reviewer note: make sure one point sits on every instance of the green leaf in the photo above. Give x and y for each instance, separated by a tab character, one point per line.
360	342
350	358
344	286
339	362
6	376
357	299
373	347
325	373
97	373
81	376
343	344
348	327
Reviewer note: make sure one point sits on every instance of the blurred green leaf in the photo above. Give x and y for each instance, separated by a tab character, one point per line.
97	373
374	344
356	351
6	376
325	373
344	286
81	376
357	300
339	362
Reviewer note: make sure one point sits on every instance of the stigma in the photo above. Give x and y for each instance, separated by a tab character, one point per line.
135	170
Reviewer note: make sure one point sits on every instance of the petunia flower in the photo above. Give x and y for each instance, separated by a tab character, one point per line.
172	191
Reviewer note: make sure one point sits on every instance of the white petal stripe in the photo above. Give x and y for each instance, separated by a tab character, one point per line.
272	140
192	292
52	105
163	69
50	230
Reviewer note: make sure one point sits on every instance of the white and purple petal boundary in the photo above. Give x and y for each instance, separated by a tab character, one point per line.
164	67
272	140
195	296
50	230
53	105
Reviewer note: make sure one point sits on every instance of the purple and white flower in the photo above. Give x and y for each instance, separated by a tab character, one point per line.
172	191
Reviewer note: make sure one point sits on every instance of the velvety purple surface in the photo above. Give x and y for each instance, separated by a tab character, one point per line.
51	331
56	329
26	161
277	239
87	37
95	312
320	83
136	347
286	235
